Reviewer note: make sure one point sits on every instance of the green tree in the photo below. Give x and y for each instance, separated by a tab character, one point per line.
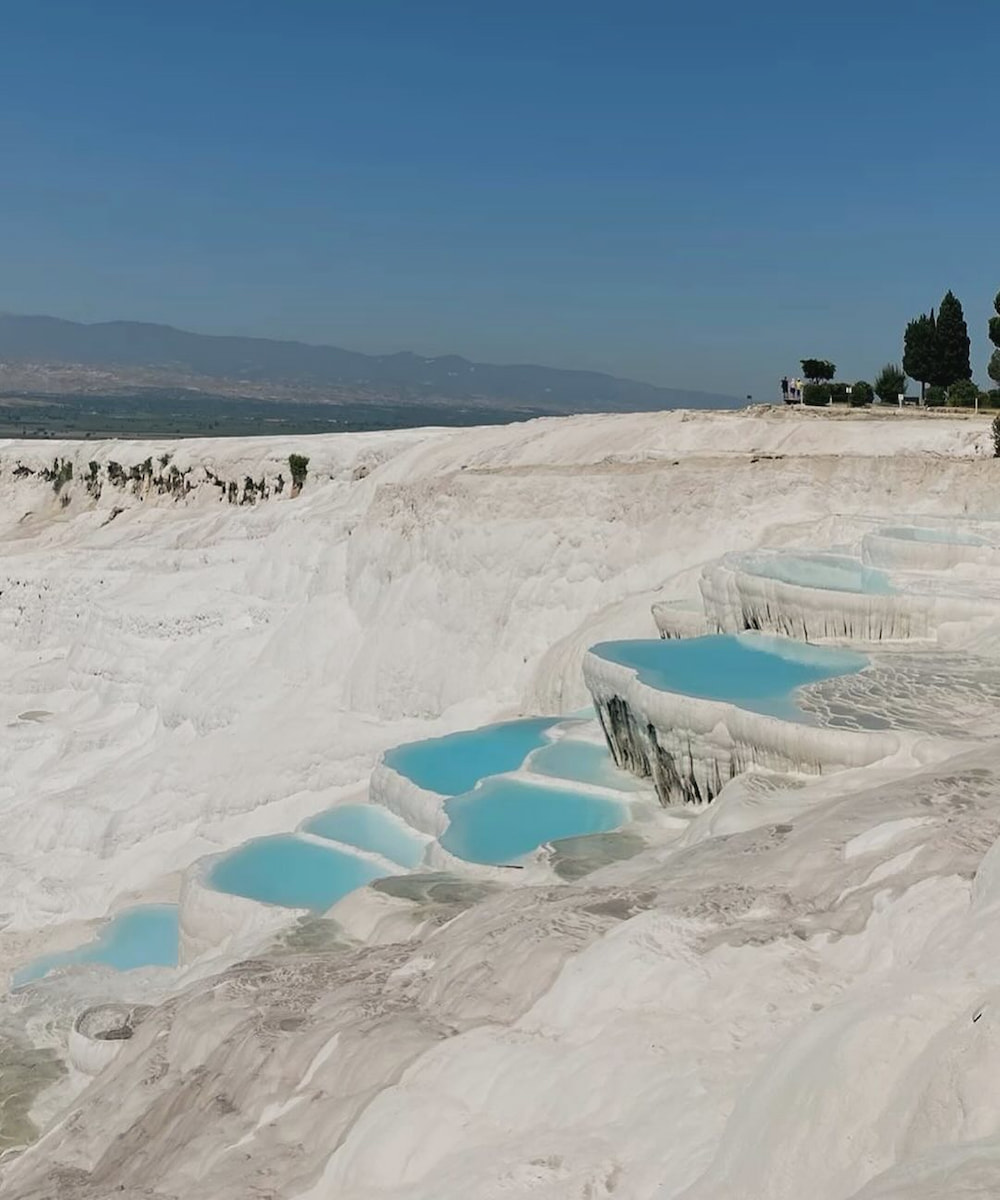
994	367
818	370
862	393
920	350
889	383
951	358
816	394
963	393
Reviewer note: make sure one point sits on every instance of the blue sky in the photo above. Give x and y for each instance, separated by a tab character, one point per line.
694	194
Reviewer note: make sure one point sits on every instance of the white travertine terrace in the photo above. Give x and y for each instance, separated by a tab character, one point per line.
884	547
736	599
793	992
680	620
692	747
420	808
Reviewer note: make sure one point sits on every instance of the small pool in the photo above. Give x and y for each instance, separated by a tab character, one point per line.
455	763
369	828
829	572
145	936
507	818
946	537
581	762
753	671
291	872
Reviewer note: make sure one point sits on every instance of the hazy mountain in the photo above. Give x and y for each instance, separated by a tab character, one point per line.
130	353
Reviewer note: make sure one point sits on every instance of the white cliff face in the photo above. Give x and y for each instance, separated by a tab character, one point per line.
774	998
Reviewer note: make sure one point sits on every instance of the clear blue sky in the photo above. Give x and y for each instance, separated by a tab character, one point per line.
697	194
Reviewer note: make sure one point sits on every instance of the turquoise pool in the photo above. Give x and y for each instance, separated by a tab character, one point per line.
507	818
750	670
581	762
369	828
145	936
829	572
454	764
291	872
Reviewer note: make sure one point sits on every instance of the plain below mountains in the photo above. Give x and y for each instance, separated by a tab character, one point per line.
45	355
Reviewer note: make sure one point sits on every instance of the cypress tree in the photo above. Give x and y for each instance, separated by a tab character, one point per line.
951	359
994	367
920	350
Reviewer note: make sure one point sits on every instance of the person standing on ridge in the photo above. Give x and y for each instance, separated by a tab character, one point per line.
784	388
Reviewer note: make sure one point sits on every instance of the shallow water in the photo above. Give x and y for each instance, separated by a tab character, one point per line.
292	872
947	537
369	828
581	762
507	818
829	572
455	763
752	671
145	936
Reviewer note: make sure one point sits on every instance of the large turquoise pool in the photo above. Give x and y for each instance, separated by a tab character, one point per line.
370	828
292	872
145	936
829	572
454	764
750	670
507	818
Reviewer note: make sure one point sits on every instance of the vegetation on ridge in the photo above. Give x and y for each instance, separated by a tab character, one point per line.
936	353
890	383
994	332
818	370
298	464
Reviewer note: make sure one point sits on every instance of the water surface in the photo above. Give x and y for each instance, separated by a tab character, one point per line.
455	763
507	818
291	872
581	762
947	537
750	670
369	827
828	572
145	936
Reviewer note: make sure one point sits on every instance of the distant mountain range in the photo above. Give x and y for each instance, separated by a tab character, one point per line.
45	354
